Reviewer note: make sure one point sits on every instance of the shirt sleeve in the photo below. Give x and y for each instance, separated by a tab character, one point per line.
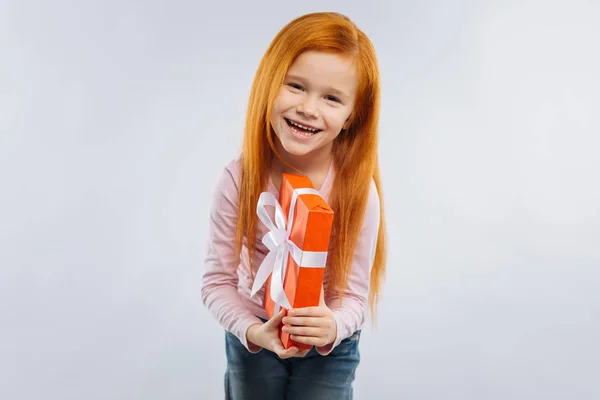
220	278
349	313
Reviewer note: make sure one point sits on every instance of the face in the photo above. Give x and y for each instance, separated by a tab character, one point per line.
314	104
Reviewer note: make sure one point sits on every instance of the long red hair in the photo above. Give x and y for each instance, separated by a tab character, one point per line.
355	150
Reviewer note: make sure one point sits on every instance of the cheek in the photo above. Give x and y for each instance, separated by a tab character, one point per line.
336	120
288	99
278	107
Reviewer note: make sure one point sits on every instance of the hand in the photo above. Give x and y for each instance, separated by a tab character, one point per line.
267	336
314	326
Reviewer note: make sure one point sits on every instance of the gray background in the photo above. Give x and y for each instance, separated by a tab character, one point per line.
116	118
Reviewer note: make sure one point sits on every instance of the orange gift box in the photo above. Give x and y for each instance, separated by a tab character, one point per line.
310	231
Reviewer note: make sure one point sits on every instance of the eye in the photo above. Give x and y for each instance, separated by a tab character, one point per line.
333	98
295	86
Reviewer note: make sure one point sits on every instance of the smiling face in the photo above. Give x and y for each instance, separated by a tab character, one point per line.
313	105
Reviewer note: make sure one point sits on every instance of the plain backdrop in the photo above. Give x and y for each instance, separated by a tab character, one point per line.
116	118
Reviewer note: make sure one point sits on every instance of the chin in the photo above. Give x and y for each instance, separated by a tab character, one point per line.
296	149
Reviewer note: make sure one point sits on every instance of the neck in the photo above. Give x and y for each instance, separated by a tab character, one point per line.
310	164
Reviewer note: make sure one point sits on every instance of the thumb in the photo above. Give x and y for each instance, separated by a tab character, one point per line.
276	319
322	298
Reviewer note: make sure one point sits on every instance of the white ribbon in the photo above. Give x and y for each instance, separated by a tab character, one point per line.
277	240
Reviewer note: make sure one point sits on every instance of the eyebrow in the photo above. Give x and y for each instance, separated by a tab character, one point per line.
329	89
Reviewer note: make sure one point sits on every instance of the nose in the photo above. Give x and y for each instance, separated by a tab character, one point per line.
308	107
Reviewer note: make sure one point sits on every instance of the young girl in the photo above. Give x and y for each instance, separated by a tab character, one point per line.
313	110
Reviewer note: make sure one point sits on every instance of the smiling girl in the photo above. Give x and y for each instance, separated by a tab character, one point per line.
314	111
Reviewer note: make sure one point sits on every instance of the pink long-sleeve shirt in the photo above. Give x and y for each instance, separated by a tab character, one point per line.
227	280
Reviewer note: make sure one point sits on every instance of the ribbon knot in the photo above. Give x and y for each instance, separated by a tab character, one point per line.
276	238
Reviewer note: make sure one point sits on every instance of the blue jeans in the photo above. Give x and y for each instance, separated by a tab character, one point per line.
264	376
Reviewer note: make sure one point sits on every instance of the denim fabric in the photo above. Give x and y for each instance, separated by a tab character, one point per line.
264	376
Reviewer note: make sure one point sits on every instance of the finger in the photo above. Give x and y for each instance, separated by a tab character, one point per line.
311	340
276	319
322	297
277	347
308	312
287	353
305	330
282	352
319	322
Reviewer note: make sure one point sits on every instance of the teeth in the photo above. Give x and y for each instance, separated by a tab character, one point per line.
307	134
302	126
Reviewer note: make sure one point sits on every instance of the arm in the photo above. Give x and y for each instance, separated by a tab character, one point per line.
220	279
349	313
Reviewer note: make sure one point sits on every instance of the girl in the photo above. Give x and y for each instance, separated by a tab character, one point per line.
313	110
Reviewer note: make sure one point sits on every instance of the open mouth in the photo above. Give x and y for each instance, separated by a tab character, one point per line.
302	129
